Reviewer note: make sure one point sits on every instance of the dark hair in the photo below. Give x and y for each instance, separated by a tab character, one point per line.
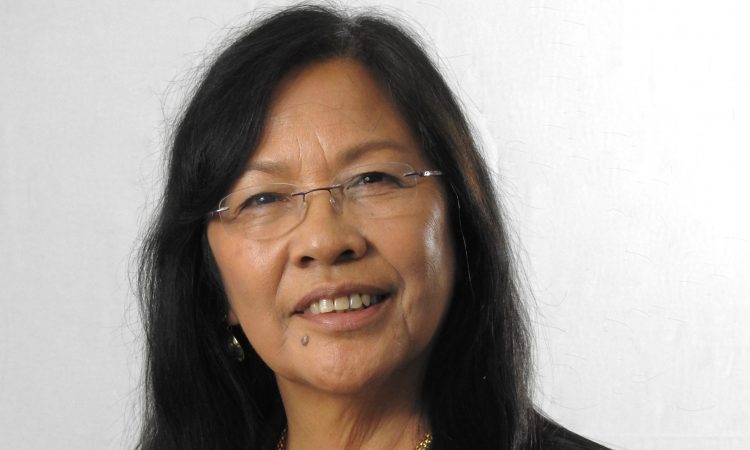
476	392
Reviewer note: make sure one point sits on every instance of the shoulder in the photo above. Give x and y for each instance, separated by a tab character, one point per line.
551	436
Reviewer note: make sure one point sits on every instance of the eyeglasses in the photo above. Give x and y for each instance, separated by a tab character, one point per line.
371	191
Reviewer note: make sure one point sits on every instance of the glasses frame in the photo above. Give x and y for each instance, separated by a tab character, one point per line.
216	213
420	173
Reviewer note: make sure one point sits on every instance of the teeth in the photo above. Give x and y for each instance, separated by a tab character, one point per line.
326	305
355	301
343	303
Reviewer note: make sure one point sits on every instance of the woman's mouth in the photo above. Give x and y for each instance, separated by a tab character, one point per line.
344	303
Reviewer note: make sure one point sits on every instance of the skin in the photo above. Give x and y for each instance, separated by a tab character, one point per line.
362	382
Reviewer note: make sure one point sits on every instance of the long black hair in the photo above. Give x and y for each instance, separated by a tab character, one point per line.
476	393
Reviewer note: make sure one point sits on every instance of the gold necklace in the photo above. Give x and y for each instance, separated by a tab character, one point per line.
423	445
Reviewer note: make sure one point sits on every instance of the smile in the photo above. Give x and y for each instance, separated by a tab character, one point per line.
344	303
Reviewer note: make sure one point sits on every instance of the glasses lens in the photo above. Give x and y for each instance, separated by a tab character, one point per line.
379	190
257	211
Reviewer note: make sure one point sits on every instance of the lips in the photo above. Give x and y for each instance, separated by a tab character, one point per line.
344	303
340	299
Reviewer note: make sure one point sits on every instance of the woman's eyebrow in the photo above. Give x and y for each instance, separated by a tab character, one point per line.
358	151
269	167
348	156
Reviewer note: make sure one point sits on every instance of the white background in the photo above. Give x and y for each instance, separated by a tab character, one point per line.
618	130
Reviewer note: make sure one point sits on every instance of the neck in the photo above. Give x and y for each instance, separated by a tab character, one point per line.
386	415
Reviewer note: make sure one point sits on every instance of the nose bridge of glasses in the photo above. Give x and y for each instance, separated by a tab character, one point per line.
331	199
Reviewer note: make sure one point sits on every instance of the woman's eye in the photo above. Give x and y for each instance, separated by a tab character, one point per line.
372	178
262	199
375	178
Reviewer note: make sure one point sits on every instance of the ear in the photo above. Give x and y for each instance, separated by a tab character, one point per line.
232	318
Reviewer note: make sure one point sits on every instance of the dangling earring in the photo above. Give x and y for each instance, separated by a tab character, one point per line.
233	346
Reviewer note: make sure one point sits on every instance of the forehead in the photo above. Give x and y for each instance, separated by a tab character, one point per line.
330	115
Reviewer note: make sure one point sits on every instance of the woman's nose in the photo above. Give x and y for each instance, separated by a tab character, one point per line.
325	235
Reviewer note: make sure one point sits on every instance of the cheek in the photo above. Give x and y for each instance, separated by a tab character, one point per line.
439	252
424	258
250	275
437	246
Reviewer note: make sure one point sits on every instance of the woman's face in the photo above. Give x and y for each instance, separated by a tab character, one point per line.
324	120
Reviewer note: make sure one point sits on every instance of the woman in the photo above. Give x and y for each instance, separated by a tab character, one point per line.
329	267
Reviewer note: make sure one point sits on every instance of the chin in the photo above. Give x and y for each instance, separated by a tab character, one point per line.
368	373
